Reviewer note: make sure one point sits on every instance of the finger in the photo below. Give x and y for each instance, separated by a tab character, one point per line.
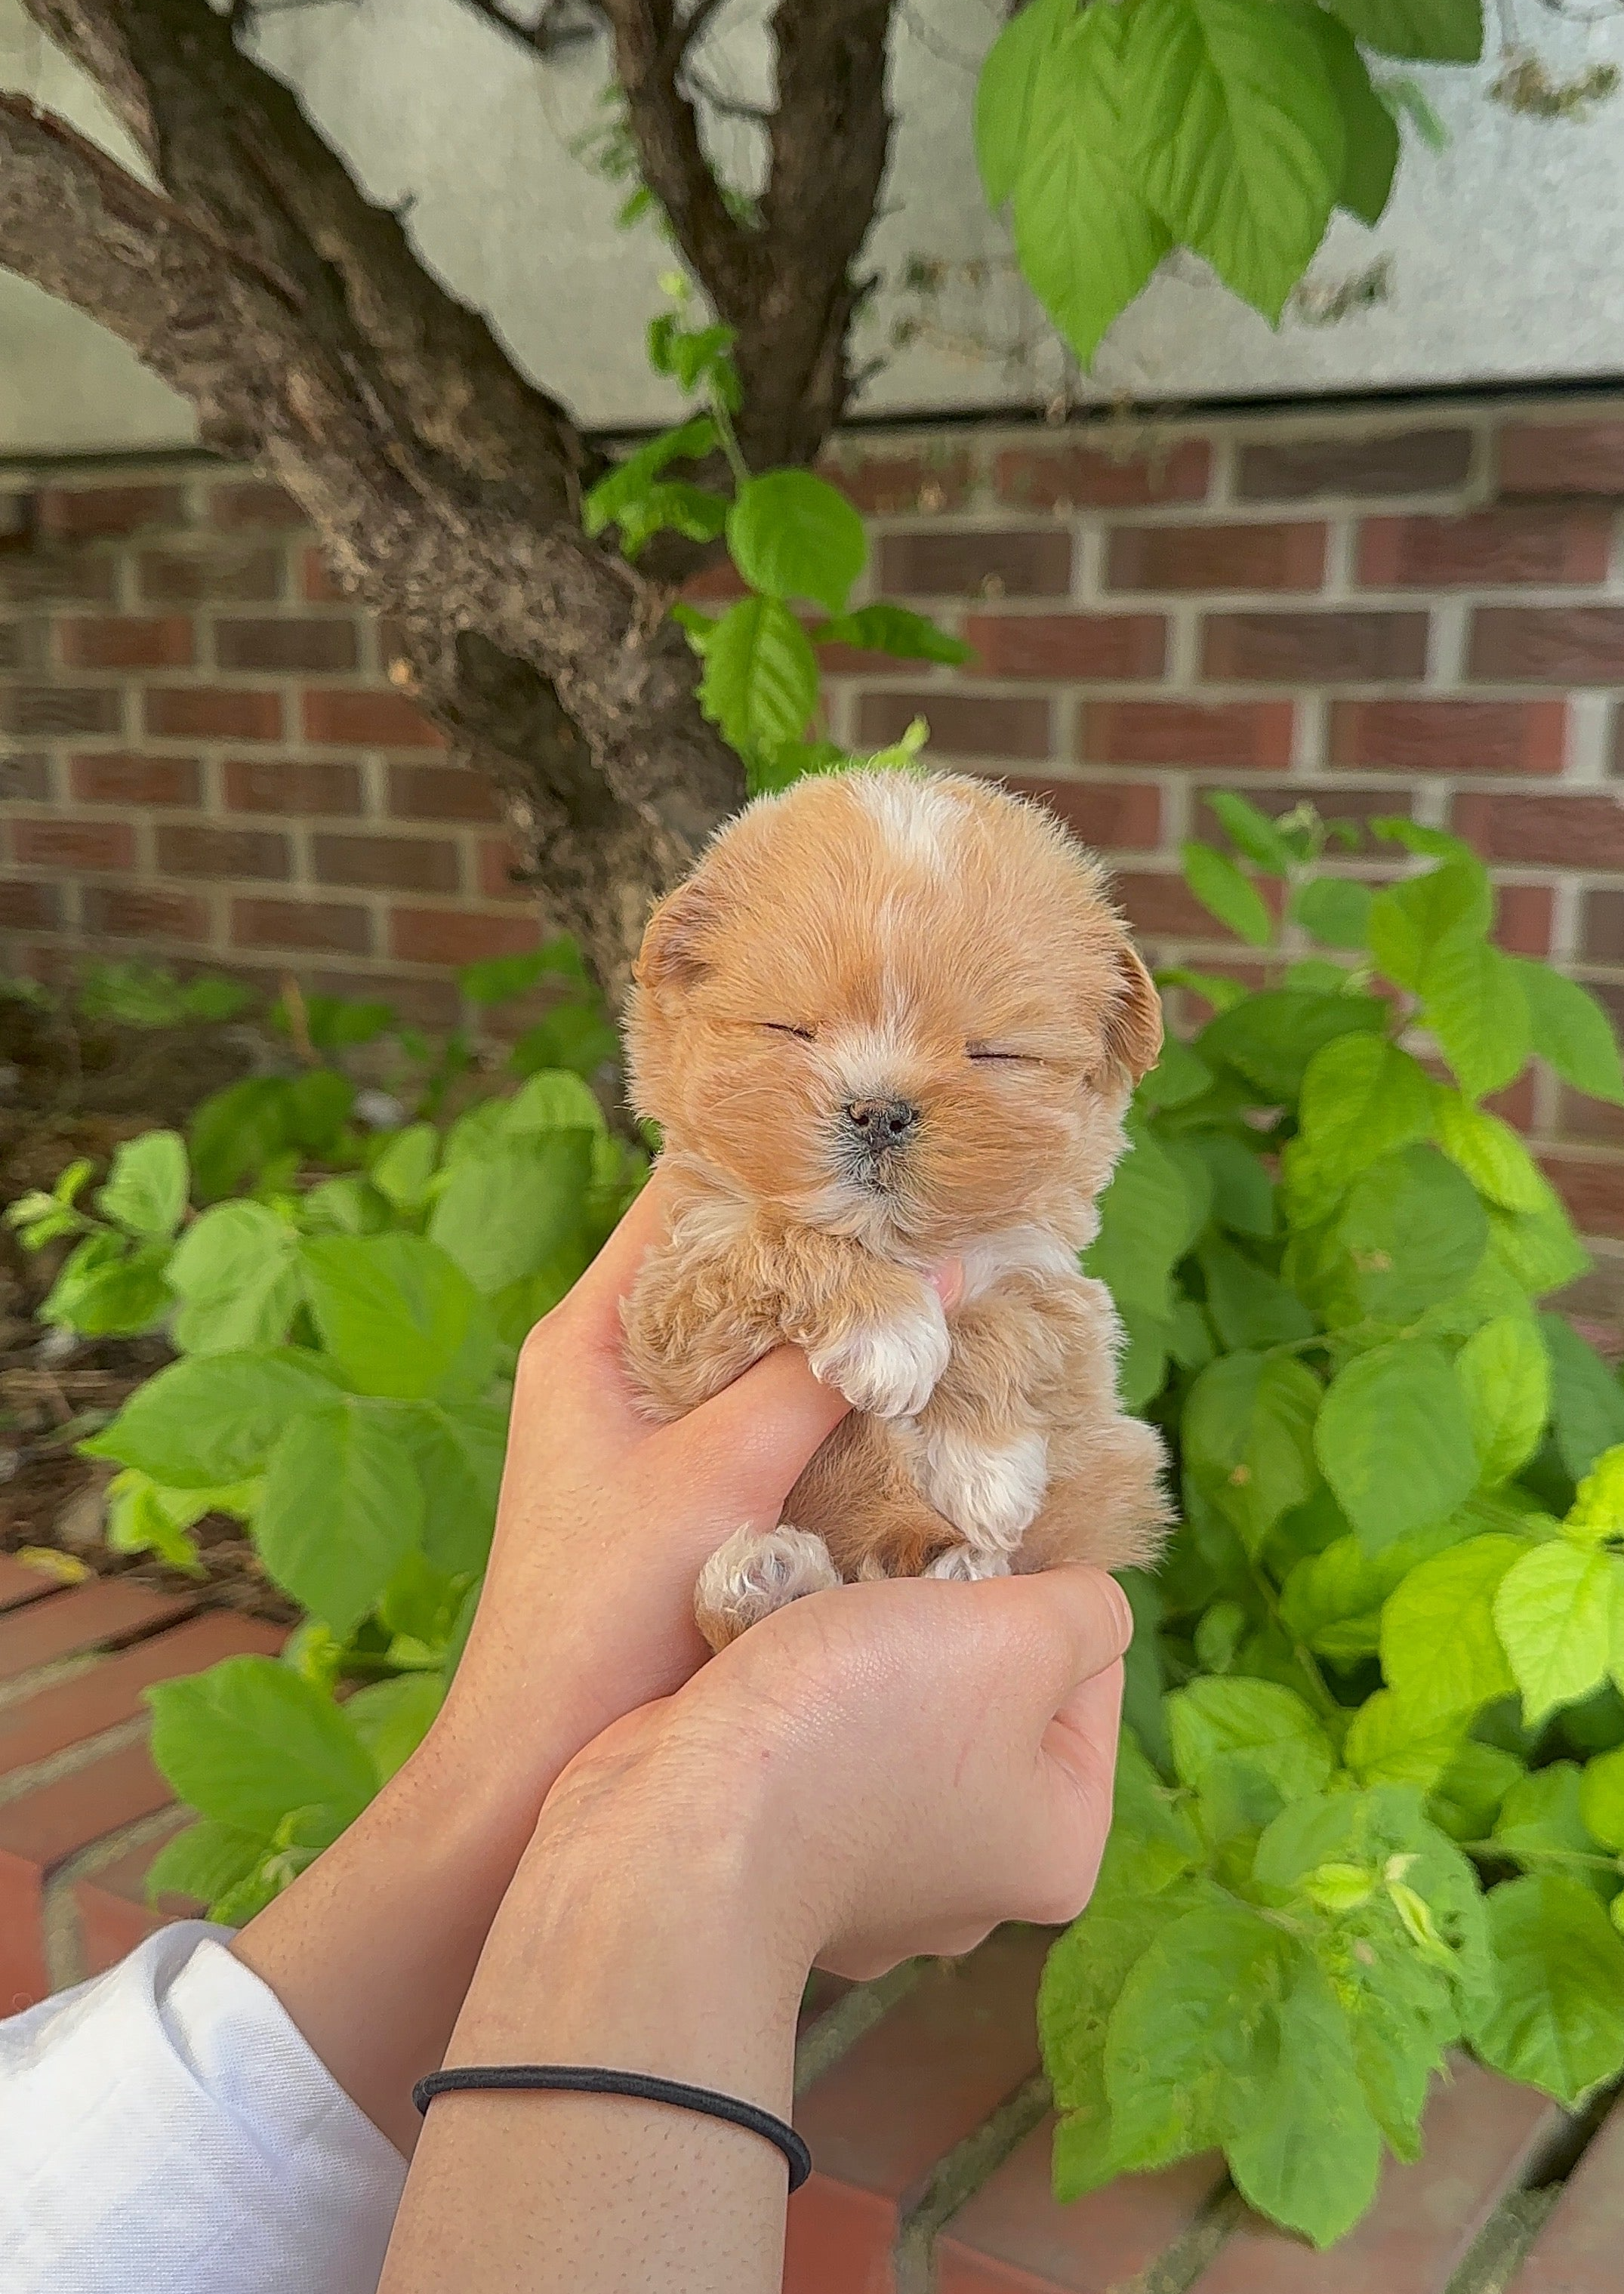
747	1446
1079	1768
1079	1623
592	1309
1082	1736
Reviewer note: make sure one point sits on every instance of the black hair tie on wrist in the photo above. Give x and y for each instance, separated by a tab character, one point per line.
577	2078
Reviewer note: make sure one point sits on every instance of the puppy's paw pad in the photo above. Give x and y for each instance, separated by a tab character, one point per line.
889	1370
967	1564
990	1492
755	1573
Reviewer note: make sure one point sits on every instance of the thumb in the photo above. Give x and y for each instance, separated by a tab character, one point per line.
748	1445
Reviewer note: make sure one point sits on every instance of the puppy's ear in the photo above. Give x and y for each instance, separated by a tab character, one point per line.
1133	1020
672	955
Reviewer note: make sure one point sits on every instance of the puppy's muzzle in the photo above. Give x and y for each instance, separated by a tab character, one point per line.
875	1125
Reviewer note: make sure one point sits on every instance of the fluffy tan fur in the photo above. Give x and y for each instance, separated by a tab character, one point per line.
888	1021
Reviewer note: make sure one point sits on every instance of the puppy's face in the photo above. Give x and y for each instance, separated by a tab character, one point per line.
901	1008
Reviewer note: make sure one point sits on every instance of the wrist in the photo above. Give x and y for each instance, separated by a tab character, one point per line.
642	1947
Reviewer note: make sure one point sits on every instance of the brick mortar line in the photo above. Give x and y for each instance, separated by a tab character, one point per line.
62	1933
839	2028
72	1758
959	2173
50	1675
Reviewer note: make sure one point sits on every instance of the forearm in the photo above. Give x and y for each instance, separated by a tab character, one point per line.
372	1950
667	1968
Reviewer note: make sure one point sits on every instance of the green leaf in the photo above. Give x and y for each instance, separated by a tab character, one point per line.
1601	1799
403	1171
1332	1601
1388	1742
1489	1152
213	1419
671	505
458	1452
1144	1229
1225	893
1431	31
1370	155
1586	1401
1472	1000
1271	1039
1192	2042
1469	1793
1004	92
1362	1098
237	1274
505	1217
760	679
1553	1612
204	1861
342	1506
1248	1439
1310	2156
1243	1193
1439	1650
1336	909
631	479
1238	137
1541	1822
1410	921
1504	1375
1571	1029
107	1290
146	1191
392	1717
1086	238
885	628
792	535
235	1133
399	1317
499	979
251	1739
553	1100
1246	1745
1252	833
1597	1511
575	1037
1250	1307
1395	1441
1555	2017
1415	1230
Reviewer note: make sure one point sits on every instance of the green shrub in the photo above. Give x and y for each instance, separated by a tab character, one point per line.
1371	1800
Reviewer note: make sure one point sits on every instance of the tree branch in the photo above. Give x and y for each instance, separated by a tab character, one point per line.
262	285
562	24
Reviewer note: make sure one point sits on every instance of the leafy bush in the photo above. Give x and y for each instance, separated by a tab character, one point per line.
347	1334
1371	1800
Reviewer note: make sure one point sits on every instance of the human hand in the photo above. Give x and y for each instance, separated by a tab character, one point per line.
603	1521
885	1769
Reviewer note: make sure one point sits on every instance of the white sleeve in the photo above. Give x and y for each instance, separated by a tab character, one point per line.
165	2126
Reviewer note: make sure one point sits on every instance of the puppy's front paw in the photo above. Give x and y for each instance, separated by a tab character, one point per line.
753	1573
990	1492
889	1370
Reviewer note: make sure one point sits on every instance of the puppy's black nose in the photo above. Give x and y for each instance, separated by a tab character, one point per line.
881	1122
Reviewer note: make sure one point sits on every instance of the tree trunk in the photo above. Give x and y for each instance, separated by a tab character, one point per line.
260	284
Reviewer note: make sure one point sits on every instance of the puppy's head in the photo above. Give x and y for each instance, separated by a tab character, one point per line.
902	1008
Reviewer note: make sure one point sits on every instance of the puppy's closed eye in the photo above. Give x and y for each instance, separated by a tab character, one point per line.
787	1028
990	1053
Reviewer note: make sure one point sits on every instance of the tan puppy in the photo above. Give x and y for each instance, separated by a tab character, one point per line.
889	1021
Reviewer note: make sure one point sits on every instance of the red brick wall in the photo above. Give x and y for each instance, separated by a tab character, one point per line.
1418	608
